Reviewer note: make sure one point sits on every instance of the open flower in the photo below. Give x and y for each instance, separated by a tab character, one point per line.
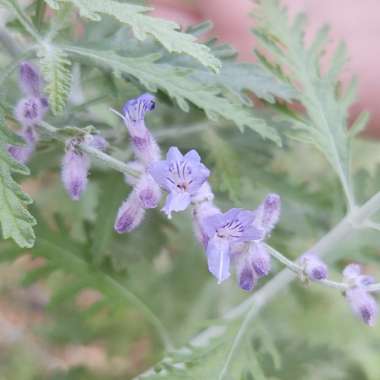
222	231
181	176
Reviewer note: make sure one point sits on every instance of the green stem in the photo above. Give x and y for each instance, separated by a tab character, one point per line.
39	14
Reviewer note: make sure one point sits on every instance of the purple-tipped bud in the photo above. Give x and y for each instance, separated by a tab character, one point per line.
314	268
353	276
135	109
96	141
260	259
22	153
363	305
245	273
130	214
75	167
268	213
30	80
30	111
144	145
148	192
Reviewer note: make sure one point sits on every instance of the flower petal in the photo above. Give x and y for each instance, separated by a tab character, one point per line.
176	202
174	154
193	156
159	171
218	258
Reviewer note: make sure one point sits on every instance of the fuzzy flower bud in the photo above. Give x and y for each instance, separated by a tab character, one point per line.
130	214
30	80
144	145
260	259
363	305
314	267
22	153
268	213
245	273
75	166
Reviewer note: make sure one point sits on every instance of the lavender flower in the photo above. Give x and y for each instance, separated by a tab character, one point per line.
31	109
181	176
361	302
246	275
130	214
143	143
22	153
314	267
363	305
222	231
268	213
75	166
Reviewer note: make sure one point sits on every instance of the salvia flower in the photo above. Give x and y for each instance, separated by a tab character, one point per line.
75	166
148	192
181	176
96	141
31	109
130	214
22	153
362	303
222	231
144	145
314	268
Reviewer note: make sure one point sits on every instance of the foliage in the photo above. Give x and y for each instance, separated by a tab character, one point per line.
150	290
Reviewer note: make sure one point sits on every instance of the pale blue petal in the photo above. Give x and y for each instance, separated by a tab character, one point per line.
174	154
218	258
176	202
159	172
193	156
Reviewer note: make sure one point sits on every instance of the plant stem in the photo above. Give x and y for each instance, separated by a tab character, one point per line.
93	152
39	15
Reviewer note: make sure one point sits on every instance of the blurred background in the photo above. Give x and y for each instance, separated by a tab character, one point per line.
54	325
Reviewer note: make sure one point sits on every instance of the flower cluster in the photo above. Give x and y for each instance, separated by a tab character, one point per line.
29	111
235	238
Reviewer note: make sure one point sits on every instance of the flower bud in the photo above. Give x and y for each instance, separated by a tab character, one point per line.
363	305
268	213
30	80
75	166
246	275
260	259
144	145
148	192
30	111
22	153
130	214
314	267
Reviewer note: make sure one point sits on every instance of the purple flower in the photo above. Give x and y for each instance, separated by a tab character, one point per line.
181	176
31	109
130	214
353	276
363	305
22	153
75	166
260	259
144	145
246	275
30	80
222	231
314	267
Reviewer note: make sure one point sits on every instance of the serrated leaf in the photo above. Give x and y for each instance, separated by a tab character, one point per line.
57	73
325	125
16	221
165	31
178	84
